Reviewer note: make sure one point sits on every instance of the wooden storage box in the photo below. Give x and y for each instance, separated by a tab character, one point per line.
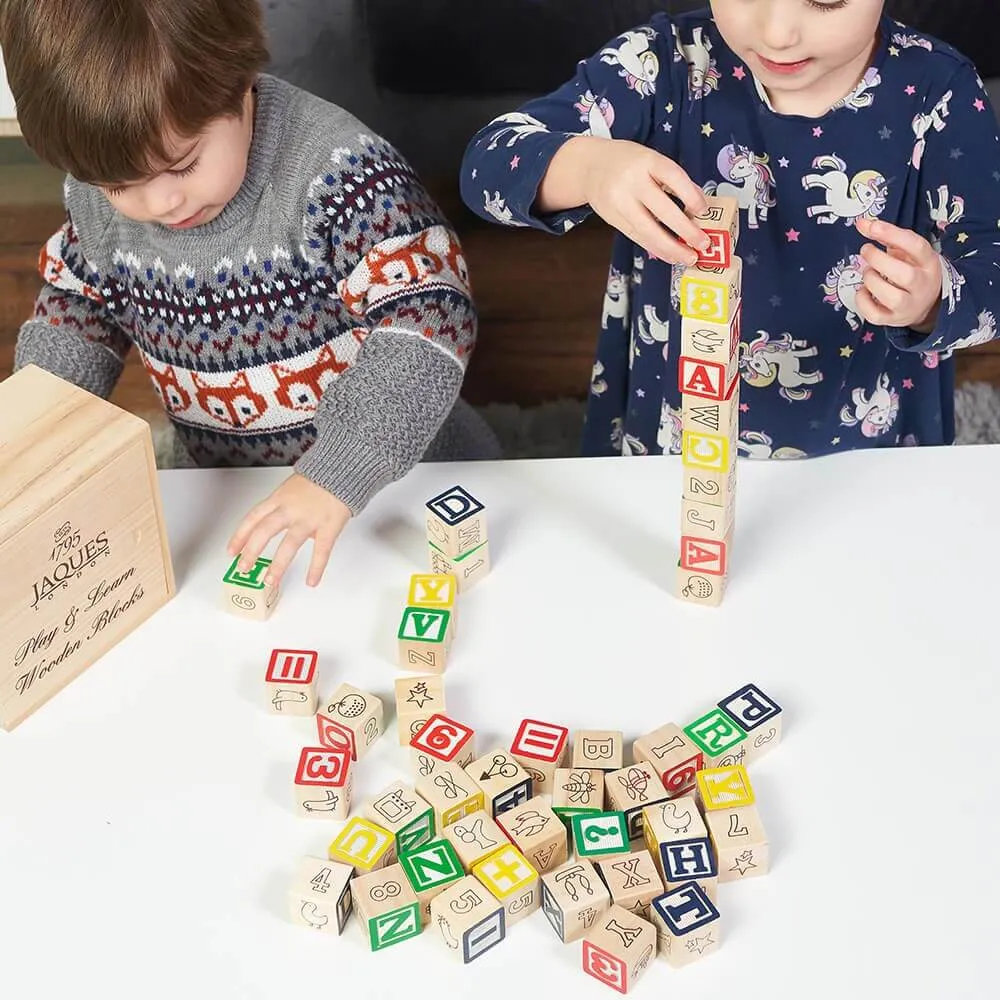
84	557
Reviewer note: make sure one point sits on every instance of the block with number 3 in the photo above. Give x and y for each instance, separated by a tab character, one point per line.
619	948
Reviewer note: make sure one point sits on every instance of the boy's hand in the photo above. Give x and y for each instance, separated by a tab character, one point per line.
300	509
901	287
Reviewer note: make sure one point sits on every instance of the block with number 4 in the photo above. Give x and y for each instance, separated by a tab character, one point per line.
677	839
573	897
632	880
475	837
424	639
632	789
404	813
442	741
504	782
540	748
468	568
430	870
721	222
537	832
740	841
469	918
351	718
324	780
601	748
417	699
364	845
673	754
508	874
687	924
386	906
456	522
246	594
320	896
290	681
758	715
451	792
617	950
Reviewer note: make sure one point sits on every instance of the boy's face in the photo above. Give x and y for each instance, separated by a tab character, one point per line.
200	179
800	49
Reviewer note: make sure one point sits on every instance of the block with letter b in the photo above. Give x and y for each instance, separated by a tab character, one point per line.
721	222
509	875
351	718
399	809
424	639
573	897
674	756
504	782
386	906
324	780
468	568
364	845
741	843
469	918
601	748
417	699
456	522
617	950
687	924
541	749
320	896
290	682
711	296
758	715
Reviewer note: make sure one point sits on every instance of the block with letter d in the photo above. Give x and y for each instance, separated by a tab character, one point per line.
456	522
721	222
386	906
711	296
424	639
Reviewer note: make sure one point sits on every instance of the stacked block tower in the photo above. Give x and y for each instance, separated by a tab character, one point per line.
710	294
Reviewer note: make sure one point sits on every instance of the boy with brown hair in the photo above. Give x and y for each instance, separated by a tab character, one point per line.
294	293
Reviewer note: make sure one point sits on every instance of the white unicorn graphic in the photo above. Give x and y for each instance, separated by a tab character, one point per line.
738	163
757	444
952	281
703	75
668	437
639	64
943	214
763	361
985	331
616	298
516	126
875	413
862	96
598	113
652	329
841	287
496	206
597	383
862	196
922	124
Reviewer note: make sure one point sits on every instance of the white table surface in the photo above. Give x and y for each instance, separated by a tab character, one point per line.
147	831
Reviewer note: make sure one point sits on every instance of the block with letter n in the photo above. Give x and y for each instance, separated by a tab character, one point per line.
386	906
83	542
430	869
424	639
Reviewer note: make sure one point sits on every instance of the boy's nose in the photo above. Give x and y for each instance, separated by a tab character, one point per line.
779	30
165	203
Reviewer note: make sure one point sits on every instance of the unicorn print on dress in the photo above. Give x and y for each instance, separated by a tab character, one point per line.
757	444
841	287
669	436
875	413
922	124
764	361
862	96
942	213
703	75
951	284
616	298
755	193
598	113
497	207
516	126
597	384
639	64
652	329
985	331
862	196
911	41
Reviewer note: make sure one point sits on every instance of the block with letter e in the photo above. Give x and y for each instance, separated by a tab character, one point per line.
721	222
617	950
541	749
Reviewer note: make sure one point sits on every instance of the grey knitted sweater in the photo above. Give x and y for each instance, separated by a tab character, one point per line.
323	320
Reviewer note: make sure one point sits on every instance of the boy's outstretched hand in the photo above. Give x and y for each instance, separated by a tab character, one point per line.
300	509
902	284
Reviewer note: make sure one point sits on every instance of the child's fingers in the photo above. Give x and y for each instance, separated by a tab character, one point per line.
257	540
891	297
673	177
911	243
243	529
287	550
895	269
870	310
646	230
659	204
322	548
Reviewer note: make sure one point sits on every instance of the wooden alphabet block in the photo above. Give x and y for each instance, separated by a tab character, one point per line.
705	520
716	734
508	874
470	918
475	837
290	682
573	897
740	841
363	845
399	809
713	416
246	595
706	379
677	839
758	715
600	748
632	880
424	639
324	781
451	792
320	896
721	222
707	486
706	556
630	790
468	568
537	832
351	718
417	699
704	452
711	296
456	522
577	791
718	343
430	870
84	555
540	748
600	836
386	906
617	950
724	788
698	588
504	782
687	924
435	590
442	741
674	755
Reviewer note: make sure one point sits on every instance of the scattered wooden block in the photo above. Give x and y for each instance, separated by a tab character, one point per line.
451	792
290	682
399	809
246	595
475	837
504	782
435	590
758	715
468	568
721	222
386	906
740	841
537	832
677	839
424	639
716	734
510	877
724	788
600	748
324	780
676	758
573	897
630	790
470	918
687	924
417	699
540	748
351	718
430	869
617	950
456	522
442	741
363	845
320	896
577	791
633	881
601	836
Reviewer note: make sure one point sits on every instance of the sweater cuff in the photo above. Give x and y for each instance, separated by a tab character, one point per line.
345	465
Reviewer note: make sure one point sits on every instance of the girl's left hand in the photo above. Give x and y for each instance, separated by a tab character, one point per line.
300	509
902	284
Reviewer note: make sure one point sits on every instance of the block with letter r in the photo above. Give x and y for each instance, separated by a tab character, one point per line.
715	734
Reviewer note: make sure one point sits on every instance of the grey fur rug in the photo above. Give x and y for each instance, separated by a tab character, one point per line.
552	430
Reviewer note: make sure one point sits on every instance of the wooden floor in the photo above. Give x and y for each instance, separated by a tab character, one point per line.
539	298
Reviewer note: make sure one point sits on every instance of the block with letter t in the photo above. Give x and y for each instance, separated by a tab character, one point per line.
617	950
687	924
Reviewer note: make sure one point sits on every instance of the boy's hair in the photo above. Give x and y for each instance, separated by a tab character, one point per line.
101	85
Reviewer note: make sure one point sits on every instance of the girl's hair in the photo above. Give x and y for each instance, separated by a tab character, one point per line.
102	85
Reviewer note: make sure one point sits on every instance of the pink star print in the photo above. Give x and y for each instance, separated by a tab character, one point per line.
817	131
739	72
793	235
868	337
911	90
978	104
744	407
907	383
515	162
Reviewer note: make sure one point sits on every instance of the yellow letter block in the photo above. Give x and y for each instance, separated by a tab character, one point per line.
364	845
711	452
509	875
725	787
710	297
433	590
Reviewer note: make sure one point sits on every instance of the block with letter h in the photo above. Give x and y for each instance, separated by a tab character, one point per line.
456	536
687	924
677	838
290	681
617	950
513	880
541	749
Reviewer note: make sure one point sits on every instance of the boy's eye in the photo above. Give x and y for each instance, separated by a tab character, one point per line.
189	169
114	192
